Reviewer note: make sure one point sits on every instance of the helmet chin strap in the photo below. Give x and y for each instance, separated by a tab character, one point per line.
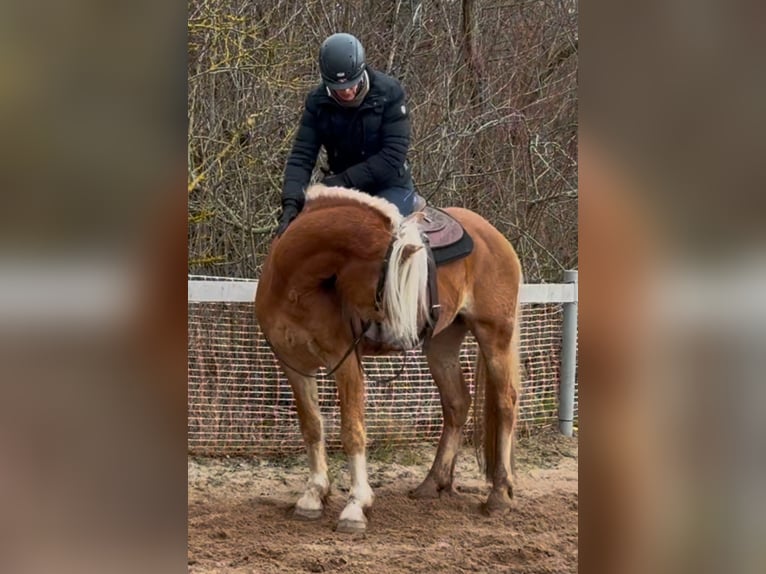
364	87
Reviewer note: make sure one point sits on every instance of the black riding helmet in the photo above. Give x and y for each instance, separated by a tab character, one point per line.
341	61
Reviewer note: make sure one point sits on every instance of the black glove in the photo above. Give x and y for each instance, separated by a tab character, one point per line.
290	211
336	180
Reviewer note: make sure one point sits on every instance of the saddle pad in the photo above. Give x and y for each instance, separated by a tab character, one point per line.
453	251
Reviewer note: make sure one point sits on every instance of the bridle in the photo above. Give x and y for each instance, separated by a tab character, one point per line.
331	371
355	343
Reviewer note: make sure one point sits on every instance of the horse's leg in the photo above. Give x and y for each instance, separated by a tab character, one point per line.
498	344
443	354
350	383
309	506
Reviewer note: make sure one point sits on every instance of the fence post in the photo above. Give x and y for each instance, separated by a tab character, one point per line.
568	360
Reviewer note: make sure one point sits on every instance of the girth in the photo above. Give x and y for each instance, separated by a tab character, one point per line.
446	241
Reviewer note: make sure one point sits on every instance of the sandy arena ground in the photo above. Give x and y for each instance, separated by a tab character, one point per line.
240	516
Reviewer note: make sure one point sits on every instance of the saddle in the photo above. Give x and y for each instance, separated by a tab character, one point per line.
446	237
446	241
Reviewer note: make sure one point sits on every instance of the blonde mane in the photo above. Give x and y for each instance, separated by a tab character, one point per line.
405	298
385	207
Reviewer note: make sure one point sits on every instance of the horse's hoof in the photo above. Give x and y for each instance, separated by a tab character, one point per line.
498	503
428	489
494	510
449	491
307	513
351	526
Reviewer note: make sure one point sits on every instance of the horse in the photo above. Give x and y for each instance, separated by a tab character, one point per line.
349	278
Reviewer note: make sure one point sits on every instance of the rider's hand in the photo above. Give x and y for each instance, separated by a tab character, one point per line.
289	212
336	180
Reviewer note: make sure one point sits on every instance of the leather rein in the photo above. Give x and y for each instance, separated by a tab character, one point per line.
358	339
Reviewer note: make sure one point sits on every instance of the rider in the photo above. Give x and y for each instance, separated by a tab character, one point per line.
360	117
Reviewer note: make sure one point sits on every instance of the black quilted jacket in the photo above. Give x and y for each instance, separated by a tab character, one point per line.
366	146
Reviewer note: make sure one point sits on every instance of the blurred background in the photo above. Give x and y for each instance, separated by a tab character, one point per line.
671	276
92	283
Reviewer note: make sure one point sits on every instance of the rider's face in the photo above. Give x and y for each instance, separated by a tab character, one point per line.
348	94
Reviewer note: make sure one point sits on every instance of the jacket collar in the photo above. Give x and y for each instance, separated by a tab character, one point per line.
370	99
364	88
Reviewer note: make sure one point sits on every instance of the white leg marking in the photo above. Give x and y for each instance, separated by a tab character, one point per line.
361	495
451	447
310	504
505	443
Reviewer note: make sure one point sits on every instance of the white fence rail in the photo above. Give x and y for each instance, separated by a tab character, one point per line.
243	291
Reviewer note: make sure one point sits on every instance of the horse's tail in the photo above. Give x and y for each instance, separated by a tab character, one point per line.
486	419
481	426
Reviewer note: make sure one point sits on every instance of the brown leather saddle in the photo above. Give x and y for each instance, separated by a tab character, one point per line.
446	237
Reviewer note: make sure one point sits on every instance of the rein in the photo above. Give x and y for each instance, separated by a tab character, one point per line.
389	379
355	344
331	371
352	348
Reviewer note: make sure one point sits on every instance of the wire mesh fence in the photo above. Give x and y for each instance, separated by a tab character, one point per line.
240	402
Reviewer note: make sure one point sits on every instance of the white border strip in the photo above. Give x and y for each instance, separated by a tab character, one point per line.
244	292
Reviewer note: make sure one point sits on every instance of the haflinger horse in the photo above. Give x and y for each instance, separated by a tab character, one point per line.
351	274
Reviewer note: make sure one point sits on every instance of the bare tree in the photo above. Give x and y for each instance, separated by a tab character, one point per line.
492	89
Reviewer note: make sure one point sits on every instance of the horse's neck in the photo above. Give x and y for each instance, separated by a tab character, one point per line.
344	246
334	250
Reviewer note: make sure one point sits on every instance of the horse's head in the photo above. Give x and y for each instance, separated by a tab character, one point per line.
354	255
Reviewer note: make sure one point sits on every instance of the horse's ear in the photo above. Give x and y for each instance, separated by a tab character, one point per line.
410	250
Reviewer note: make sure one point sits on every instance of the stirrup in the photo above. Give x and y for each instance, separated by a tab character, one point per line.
418	203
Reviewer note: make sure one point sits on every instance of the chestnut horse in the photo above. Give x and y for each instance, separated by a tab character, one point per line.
325	299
